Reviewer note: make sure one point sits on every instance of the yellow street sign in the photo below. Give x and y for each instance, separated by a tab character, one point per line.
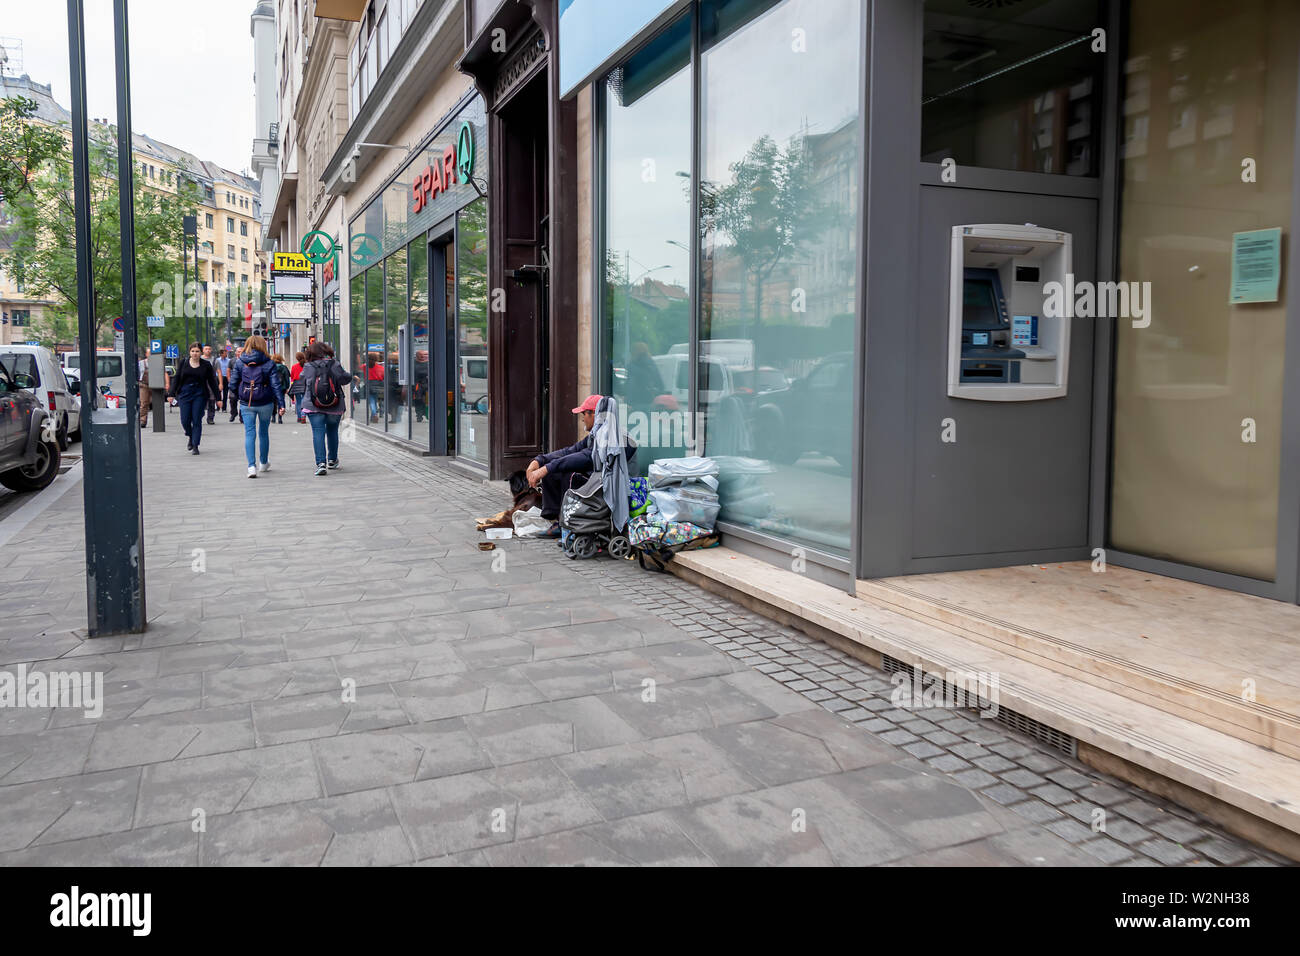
290	262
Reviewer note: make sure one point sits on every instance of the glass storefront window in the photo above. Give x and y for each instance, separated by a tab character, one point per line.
357	356
418	259
1187	485
374	367
1012	86
778	269
646	277
396	393
472	431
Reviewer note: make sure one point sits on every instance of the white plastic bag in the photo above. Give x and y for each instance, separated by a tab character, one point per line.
674	471
530	523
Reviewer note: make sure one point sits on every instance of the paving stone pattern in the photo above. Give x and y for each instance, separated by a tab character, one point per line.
337	675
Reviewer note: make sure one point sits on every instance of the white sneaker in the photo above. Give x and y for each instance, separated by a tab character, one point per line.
321	470
252	472
264	466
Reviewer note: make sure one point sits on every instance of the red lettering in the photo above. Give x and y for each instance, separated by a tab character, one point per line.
449	164
437	179
427	178
418	193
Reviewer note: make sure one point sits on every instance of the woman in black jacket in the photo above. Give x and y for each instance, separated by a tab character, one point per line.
192	385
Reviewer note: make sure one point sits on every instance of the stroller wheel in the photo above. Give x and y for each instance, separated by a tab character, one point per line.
584	546
619	547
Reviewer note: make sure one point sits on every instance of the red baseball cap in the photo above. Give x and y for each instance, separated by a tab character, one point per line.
588	406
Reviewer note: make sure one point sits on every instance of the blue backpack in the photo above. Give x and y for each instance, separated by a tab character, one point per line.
255	385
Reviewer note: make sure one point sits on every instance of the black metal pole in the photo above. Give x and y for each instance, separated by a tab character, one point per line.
115	593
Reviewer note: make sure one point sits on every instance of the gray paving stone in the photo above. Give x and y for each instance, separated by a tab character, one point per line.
1036	811
975	778
1108	851
1053	794
948	763
1165	852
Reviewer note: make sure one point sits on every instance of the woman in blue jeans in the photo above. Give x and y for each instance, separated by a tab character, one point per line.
194	383
324	400
256	386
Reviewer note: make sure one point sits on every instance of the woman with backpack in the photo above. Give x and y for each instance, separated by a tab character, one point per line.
296	386
255	385
325	384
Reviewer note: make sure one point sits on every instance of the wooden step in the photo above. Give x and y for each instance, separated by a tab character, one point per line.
1253	721
1263	783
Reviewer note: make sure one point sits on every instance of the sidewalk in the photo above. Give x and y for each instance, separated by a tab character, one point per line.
540	711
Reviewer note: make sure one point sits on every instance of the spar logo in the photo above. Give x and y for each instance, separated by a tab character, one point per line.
455	166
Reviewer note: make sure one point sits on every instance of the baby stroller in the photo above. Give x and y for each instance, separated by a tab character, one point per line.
586	524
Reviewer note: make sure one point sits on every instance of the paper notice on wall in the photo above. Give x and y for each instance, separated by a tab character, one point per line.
1256	266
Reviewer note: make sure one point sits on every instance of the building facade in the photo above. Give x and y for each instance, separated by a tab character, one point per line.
840	191
827	243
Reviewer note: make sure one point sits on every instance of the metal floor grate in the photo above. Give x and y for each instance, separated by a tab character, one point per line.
1007	717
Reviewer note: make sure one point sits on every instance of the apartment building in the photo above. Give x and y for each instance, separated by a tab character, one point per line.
231	263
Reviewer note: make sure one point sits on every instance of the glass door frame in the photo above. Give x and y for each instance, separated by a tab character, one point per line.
440	243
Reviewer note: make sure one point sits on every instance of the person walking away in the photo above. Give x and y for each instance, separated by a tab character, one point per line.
233	399
194	385
223	377
296	385
256	387
325	387
282	371
212	402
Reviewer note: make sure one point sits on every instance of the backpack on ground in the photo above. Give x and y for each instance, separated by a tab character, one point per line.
324	390
255	385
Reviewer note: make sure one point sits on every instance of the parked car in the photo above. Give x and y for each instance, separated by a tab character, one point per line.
714	382
74	414
49	385
811	415
29	451
473	379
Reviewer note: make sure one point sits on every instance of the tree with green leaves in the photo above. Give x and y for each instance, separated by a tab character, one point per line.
38	240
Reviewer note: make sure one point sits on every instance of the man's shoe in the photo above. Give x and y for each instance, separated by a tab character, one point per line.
264	466
189	446
554	530
321	470
196	451
333	465
252	472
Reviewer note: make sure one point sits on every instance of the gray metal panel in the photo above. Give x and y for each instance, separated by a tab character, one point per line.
886	268
1016	478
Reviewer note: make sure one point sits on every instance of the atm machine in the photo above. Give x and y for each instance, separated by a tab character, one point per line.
1004	345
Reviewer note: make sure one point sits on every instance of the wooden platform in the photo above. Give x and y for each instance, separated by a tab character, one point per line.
1108	705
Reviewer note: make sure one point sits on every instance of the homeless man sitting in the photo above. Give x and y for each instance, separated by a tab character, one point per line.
555	471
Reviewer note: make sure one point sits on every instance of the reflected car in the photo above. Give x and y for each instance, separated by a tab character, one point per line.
813	414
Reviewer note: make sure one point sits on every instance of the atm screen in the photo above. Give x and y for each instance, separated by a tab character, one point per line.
979	308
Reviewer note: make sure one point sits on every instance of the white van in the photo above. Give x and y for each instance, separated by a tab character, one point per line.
50	388
110	370
714	384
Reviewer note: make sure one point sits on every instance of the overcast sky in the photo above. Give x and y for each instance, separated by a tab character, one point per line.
191	68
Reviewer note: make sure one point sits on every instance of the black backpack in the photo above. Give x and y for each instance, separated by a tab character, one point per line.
324	390
255	384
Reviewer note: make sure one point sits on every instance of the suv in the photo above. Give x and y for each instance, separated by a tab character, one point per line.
29	450
49	384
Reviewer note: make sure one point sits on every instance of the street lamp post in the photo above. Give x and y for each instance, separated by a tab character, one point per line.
111	482
627	302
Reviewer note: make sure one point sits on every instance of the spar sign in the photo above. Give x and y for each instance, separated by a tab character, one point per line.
456	166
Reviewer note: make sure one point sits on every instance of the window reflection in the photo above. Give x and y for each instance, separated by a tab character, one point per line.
646	278
395	389
418	263
374	368
1012	89
778	200
472	435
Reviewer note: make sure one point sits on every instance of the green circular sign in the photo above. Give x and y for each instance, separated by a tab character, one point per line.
465	152
319	250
